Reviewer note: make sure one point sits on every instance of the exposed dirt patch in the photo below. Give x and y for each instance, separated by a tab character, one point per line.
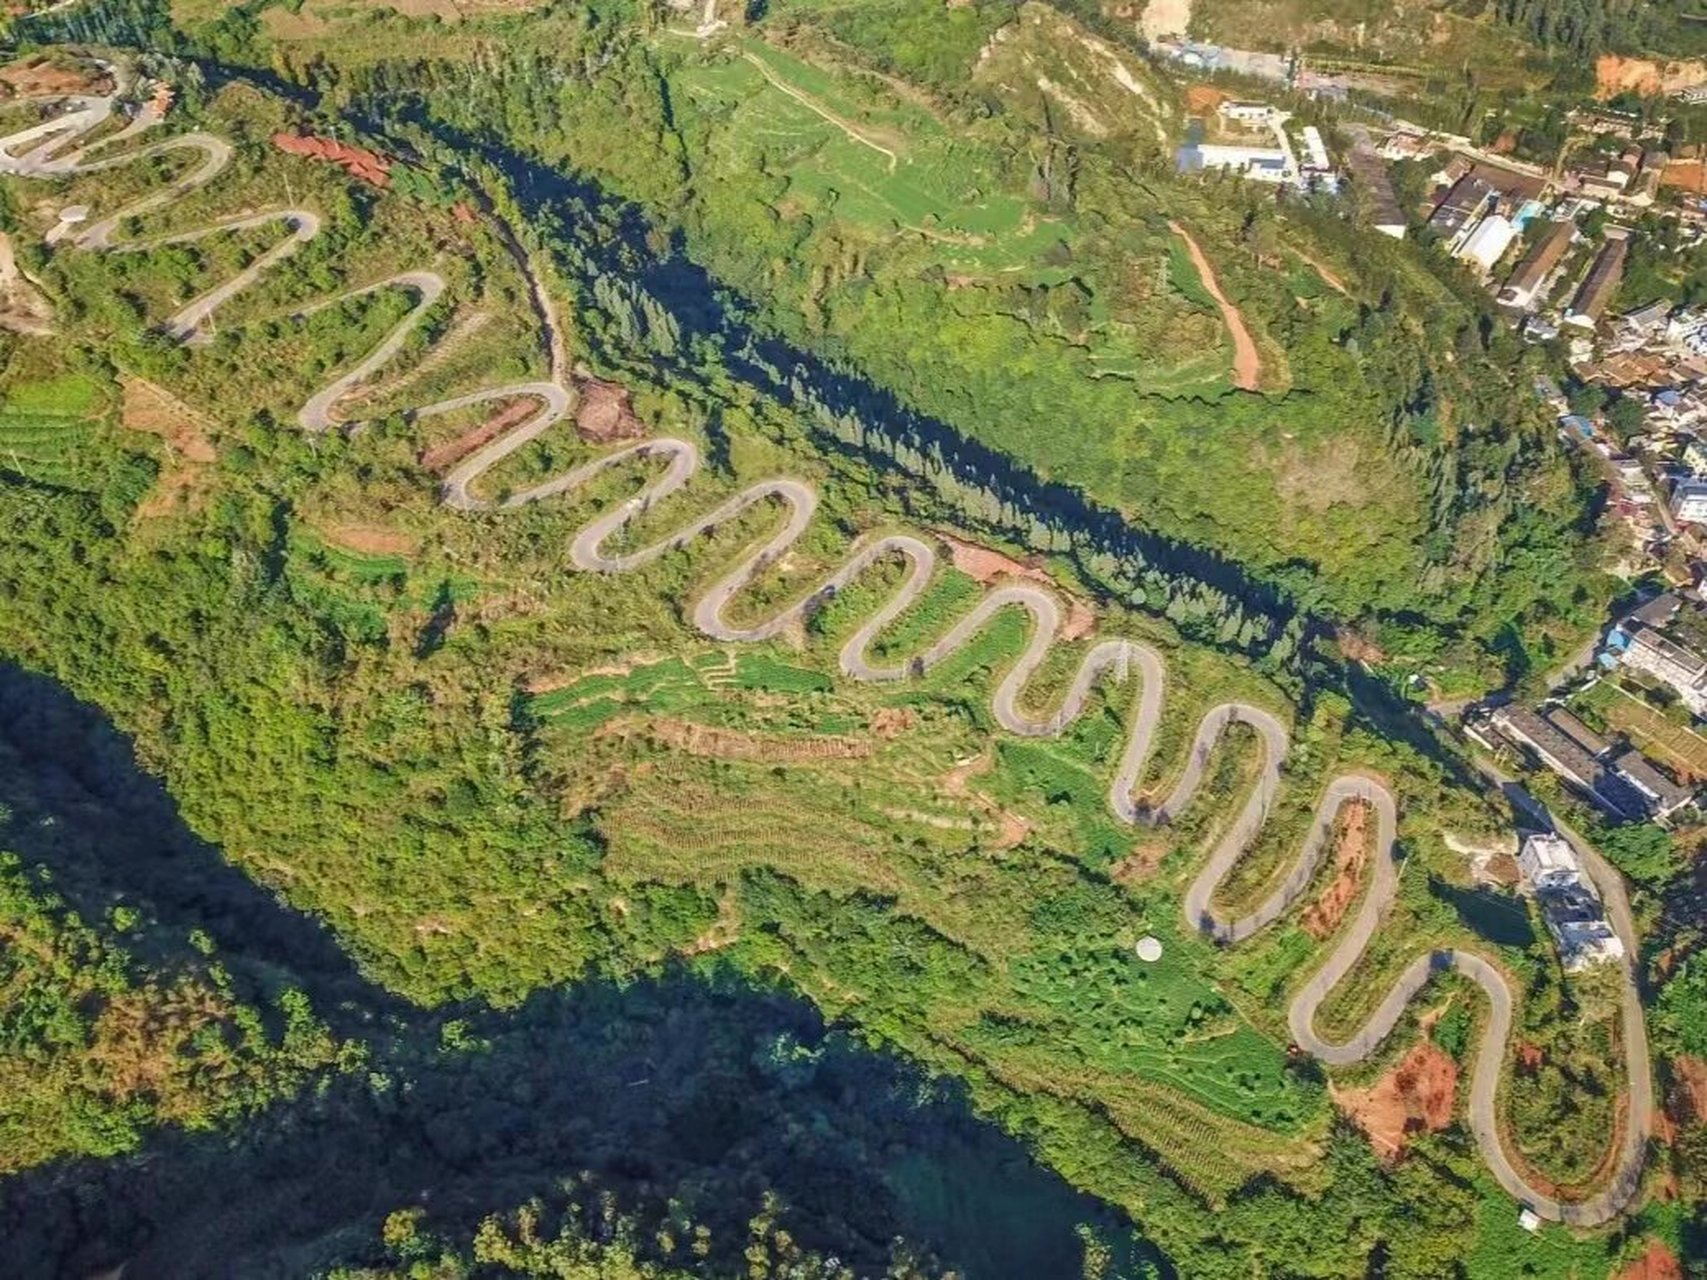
44	76
732	744
364	165
23	307
1692	1087
1351	852
1414	1097
1202	99
1656	1263
1324	477
454	451
1357	646
1165	18
1614	75
889	723
1142	863
603	413
986	566
1013	828
154	410
1247	365
1691	175
371	539
723	932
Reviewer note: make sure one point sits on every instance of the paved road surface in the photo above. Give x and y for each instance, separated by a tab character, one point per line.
49	153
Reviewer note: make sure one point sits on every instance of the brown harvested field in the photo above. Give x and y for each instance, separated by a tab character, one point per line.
1679	748
322	17
1351	852
371	539
1247	364
1414	1097
986	565
1691	175
730	744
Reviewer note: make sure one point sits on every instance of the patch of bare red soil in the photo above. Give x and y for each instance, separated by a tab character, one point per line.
40	77
364	165
603	413
1201	99
1691	1073
454	451
1351	851
985	566
1656	1263
1414	1097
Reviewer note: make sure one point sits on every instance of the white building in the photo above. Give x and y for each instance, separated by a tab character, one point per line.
1315	150
1689	501
1487	244
1568	902
1548	862
1265	164
1247	112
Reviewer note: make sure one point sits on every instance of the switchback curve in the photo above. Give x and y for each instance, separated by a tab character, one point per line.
50	154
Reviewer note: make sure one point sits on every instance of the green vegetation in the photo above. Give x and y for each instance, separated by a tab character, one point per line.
495	778
1005	271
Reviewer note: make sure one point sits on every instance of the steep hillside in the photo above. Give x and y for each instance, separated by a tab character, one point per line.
610	636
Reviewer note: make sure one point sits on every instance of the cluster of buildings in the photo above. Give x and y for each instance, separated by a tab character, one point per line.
1614	776
1663	643
1274	158
1568	901
1519	226
1654	357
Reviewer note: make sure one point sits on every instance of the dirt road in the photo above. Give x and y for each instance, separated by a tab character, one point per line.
1247	365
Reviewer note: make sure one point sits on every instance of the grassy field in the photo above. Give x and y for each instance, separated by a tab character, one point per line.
886	167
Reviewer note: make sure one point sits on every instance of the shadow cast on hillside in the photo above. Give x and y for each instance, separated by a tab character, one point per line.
710	1091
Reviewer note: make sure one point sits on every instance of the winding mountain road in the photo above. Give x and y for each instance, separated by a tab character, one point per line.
45	151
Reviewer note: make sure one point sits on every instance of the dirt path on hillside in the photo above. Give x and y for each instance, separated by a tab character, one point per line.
854	131
1247	365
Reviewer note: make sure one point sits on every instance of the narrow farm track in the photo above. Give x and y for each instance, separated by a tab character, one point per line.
47	151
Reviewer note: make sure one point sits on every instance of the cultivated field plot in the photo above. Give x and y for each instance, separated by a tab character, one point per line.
891	167
44	423
1676	745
